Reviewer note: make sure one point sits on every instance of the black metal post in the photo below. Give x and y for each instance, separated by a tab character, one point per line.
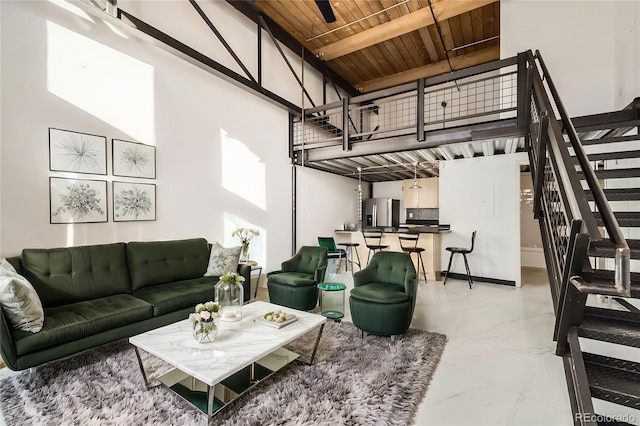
543	140
522	89
345	126
294	224
420	111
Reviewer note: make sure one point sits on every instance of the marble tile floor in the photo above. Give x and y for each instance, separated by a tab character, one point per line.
498	367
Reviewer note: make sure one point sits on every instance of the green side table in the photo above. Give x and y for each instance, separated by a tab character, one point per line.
332	300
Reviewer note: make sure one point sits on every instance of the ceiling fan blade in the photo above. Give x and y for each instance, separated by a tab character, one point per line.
326	10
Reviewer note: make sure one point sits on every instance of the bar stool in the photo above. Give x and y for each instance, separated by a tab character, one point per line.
334	253
409	244
350	248
464	252
372	239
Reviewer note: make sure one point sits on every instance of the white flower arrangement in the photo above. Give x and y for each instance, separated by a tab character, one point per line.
203	319
245	234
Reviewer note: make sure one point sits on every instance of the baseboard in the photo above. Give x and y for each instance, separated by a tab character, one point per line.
479	279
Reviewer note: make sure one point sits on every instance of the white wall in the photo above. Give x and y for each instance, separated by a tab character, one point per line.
626	49
222	154
482	194
576	40
325	202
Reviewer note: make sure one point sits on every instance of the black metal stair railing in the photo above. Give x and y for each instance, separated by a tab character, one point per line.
570	231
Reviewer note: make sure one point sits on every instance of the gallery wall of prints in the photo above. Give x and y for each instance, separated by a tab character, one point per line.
80	190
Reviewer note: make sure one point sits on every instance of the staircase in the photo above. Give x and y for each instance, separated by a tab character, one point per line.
587	201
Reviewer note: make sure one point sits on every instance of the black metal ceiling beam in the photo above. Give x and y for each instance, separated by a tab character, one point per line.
264	24
213	28
249	9
193	56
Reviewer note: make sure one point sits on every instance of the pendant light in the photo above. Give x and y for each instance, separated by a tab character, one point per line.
415	177
359	188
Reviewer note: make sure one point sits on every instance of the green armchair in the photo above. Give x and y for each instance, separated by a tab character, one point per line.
295	286
384	294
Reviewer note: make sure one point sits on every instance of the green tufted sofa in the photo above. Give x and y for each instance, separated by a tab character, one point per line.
97	294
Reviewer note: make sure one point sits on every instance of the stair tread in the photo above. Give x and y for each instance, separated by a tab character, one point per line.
605	276
614	380
613	155
614	173
625	219
611	326
609	251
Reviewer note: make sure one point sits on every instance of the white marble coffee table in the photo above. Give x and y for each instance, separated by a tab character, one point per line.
211	375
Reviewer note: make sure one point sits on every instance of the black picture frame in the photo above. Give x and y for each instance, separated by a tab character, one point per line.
134	202
133	159
77	201
77	152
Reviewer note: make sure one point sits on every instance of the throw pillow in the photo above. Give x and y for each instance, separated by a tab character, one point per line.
222	260
19	300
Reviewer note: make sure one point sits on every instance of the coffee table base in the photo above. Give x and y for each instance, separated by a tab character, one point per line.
212	399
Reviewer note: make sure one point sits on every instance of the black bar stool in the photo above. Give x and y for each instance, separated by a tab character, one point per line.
372	239
350	248
464	252
409	244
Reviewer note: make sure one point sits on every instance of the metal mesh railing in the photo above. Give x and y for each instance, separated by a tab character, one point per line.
469	100
472	99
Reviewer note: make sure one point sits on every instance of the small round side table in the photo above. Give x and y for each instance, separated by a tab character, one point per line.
332	300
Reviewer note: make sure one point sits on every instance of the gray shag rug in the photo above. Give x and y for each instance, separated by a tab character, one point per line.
355	381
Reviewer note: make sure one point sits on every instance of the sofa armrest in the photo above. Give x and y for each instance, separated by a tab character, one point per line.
279	271
7	347
245	271
16	262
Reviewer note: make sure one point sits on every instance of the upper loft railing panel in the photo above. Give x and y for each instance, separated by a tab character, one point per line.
475	95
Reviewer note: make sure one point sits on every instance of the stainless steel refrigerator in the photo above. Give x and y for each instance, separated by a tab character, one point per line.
381	212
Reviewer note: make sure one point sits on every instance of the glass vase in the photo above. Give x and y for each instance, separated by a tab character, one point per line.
244	253
230	296
205	331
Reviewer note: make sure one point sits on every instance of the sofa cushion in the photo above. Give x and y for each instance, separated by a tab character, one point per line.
161	262
222	260
74	274
68	323
380	293
295	279
19	300
171	297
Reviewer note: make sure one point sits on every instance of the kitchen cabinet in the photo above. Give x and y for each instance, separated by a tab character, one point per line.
424	197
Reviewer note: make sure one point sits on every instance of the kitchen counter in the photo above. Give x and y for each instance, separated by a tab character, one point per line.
410	229
429	240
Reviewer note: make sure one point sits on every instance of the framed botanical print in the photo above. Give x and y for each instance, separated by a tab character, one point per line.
77	152
134	201
133	159
77	200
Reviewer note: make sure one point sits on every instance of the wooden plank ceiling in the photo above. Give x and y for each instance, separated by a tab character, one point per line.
375	44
